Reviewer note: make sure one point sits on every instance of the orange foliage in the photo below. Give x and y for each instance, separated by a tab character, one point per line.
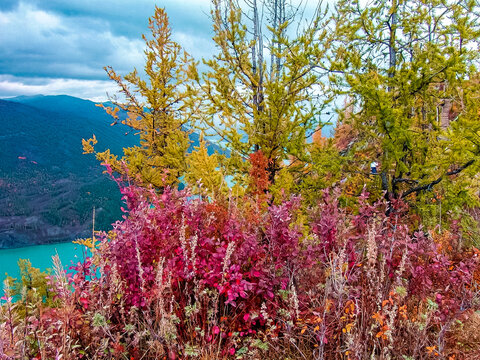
259	181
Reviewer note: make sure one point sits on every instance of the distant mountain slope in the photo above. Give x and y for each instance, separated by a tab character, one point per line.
63	104
48	188
59	120
76	107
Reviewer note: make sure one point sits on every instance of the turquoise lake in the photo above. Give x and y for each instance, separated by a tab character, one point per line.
40	256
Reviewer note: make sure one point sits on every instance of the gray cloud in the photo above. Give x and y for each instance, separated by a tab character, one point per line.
40	43
74	40
126	17
66	43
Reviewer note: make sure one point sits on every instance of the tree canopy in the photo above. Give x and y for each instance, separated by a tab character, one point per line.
403	76
408	69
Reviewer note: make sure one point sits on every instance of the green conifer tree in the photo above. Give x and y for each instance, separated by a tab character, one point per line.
404	65
258	105
160	109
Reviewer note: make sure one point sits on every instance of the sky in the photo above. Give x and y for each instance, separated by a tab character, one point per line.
54	47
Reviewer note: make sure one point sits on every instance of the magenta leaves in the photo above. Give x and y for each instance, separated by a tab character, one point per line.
223	272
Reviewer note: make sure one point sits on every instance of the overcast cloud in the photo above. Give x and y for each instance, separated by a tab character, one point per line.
55	47
61	46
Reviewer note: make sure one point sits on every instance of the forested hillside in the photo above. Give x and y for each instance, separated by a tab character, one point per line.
48	188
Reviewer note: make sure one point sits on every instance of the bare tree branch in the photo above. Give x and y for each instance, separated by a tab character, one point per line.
435	182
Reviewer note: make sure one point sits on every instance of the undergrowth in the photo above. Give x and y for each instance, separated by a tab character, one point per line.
193	277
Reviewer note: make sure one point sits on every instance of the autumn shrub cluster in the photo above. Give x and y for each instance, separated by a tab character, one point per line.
184	277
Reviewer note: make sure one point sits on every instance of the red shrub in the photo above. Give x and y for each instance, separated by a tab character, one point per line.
184	276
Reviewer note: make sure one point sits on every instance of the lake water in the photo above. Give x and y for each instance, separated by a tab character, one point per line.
40	256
